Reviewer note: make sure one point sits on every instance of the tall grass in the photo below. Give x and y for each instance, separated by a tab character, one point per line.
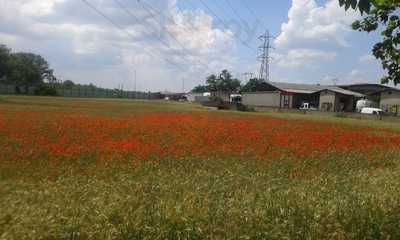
202	199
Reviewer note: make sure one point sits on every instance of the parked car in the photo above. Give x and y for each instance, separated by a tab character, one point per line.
372	111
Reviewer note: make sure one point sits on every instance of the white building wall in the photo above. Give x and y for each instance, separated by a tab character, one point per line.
327	98
390	101
191	97
262	99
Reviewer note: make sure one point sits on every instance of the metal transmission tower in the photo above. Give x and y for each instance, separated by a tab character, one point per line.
265	57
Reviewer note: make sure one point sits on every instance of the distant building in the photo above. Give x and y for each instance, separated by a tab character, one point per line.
387	98
172	96
208	96
191	97
291	95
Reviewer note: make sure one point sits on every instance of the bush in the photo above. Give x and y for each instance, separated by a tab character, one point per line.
216	99
244	108
46	90
340	115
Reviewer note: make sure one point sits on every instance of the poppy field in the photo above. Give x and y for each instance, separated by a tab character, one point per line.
119	169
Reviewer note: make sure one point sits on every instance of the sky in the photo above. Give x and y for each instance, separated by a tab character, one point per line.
173	45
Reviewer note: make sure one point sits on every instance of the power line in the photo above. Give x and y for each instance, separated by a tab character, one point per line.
187	29
193	6
222	9
170	34
252	13
123	7
123	29
249	9
264	57
234	11
224	24
168	17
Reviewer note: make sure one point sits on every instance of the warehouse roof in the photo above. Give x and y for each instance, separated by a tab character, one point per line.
311	88
296	87
368	88
344	91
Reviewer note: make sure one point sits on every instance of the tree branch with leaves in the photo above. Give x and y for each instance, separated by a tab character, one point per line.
381	14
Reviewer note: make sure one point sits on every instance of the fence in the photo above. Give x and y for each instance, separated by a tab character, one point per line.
7	89
82	92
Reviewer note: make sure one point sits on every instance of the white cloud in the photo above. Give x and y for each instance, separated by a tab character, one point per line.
313	34
362	76
368	58
309	24
73	35
38	7
302	57
7	38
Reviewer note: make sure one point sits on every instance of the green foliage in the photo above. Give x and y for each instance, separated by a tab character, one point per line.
46	90
381	13
244	108
4	58
216	99
224	82
29	69
254	85
24	69
363	5
200	89
68	84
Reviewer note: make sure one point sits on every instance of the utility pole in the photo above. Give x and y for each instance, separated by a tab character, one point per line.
134	89
265	56
183	85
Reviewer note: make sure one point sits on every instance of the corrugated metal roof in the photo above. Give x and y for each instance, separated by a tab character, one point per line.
369	88
296	86
345	92
298	91
311	88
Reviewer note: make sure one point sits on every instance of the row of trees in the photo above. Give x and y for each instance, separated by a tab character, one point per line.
24	69
224	82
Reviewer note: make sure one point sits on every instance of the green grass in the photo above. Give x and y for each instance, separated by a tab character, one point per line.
230	198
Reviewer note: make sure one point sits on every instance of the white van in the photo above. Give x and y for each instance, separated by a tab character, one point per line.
364	103
373	111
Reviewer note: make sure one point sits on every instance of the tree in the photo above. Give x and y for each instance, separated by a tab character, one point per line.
223	83
212	84
27	69
200	89
254	85
68	84
226	83
4	58
381	13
